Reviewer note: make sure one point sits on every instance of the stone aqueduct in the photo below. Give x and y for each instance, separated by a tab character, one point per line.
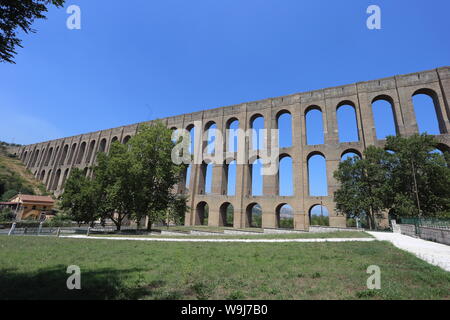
52	161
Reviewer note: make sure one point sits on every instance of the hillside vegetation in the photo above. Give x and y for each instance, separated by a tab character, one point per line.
15	177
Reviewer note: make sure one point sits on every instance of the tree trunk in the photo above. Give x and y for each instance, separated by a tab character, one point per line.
149	226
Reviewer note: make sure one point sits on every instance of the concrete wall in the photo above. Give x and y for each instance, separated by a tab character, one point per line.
435	234
439	235
52	161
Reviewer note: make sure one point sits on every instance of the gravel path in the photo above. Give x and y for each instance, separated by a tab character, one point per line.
434	253
220	240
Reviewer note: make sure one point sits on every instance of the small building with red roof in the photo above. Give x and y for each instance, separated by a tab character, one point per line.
30	206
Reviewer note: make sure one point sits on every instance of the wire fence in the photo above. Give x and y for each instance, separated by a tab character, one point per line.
419	223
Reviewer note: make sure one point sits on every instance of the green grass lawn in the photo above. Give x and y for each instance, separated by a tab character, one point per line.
341	234
35	268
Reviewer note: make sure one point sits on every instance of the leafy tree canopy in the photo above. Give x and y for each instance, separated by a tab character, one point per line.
16	15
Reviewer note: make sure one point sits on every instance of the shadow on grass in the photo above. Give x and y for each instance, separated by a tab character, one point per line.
50	283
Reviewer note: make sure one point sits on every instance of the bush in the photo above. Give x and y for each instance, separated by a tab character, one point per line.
6	215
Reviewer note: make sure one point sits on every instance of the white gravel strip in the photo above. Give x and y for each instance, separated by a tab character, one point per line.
431	252
222	240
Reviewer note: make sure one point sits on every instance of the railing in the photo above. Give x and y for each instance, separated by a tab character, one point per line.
427	222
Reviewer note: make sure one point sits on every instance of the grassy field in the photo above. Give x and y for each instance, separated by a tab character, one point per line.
35	267
343	234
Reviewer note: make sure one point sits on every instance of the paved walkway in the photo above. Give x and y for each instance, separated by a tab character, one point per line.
434	253
220	240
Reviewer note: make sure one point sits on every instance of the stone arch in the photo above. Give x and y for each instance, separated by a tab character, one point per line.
443	147
48	180
317	174
114	139
385	120
210	137
64	154
230	175
56	156
284	216
322	214
206	177
256	178
201	213
285	176
226	215
191	129
256	123
56	180
232	141
81	152
36	155
127	138
253	214
432	123
72	153
102	147
42	176
284	126
314	125
66	173
187	177
91	151
350	153
347	122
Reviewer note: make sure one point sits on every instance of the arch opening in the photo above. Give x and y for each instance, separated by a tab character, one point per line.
256	178
384	117
257	124
226	215
428	113
285	177
202	213
254	215
284	125
314	126
347	123
317	175
319	216
285	216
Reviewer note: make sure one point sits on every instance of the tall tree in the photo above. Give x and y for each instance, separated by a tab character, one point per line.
156	173
364	185
420	177
136	180
117	182
80	198
18	15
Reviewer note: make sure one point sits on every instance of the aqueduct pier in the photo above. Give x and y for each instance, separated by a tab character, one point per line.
52	161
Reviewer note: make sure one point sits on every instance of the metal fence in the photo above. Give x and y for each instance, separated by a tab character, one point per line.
435	223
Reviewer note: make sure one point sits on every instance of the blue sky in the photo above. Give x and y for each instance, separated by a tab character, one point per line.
152	59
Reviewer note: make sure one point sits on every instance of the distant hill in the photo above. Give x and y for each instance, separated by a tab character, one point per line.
15	178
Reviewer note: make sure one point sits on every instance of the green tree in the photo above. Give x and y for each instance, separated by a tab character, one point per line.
364	185
80	198
18	15
117	182
155	172
177	209
420	177
136	180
